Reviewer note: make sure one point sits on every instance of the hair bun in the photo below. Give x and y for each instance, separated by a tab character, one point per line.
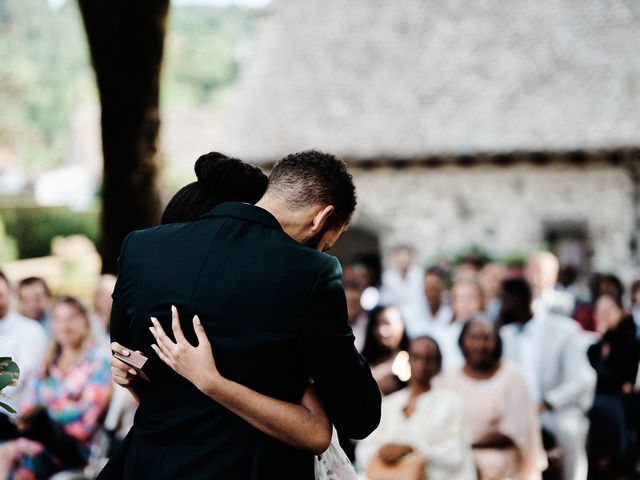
210	167
229	178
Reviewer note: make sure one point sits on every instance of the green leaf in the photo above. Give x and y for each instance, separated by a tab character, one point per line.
8	408
8	368
5	381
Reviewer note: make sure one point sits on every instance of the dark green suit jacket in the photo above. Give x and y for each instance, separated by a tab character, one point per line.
276	314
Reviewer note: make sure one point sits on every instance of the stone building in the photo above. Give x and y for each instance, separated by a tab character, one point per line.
510	125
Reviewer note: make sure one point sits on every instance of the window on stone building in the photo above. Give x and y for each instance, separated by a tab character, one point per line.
569	240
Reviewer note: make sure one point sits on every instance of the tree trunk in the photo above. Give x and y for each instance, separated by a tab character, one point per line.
126	41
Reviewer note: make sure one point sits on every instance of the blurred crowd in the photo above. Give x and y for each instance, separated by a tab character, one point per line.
488	372
522	373
70	414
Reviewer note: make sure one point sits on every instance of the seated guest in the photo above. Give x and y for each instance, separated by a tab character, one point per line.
505	433
615	359
551	352
62	407
402	287
21	338
599	283
386	349
467	300
35	298
102	302
354	279
490	278
542	273
438	311
422	420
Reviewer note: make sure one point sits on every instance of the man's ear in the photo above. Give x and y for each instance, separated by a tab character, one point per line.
321	217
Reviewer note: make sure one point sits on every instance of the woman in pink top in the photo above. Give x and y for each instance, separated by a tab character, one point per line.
506	438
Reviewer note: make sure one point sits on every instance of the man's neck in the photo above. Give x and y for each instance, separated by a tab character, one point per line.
285	217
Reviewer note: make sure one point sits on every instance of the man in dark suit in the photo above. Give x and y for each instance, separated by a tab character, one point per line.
275	311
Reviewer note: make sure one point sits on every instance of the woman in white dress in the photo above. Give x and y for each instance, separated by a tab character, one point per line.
423	421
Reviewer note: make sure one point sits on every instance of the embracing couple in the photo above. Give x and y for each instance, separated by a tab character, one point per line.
243	318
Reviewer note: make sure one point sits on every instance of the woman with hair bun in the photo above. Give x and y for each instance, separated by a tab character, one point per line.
306	425
220	179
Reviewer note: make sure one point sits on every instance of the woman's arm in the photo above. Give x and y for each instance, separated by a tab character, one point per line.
305	426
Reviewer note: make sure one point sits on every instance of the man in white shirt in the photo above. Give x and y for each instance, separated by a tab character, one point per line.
438	311
22	339
402	287
550	351
34	297
542	273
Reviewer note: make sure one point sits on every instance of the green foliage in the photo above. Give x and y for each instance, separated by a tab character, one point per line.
35	227
9	375
201	51
8	247
475	254
42	60
515	259
45	70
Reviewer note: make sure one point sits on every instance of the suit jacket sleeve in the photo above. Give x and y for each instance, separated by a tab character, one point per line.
342	376
120	321
579	378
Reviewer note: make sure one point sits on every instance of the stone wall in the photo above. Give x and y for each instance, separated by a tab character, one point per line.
502	208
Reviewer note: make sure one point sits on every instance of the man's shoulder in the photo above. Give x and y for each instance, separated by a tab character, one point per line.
26	325
559	324
166	235
157	231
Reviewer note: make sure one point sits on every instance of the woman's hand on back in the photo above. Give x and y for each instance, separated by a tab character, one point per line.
195	363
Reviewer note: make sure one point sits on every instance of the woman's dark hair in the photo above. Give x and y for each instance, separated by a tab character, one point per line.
497	353
372	350
432	340
611	284
520	289
220	179
614	297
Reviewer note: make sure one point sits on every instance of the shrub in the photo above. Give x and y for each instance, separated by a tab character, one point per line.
33	228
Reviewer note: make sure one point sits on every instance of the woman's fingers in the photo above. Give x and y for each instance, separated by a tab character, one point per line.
201	335
175	326
120	377
121	366
164	342
116	347
165	358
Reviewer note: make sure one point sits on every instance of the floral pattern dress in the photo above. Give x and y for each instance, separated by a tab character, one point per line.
76	400
334	463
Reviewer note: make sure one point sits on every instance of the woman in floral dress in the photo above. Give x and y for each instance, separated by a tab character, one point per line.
63	406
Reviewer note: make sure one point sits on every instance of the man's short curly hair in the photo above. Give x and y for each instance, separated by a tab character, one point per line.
312	177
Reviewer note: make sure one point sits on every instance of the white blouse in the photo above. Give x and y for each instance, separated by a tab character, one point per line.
436	429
